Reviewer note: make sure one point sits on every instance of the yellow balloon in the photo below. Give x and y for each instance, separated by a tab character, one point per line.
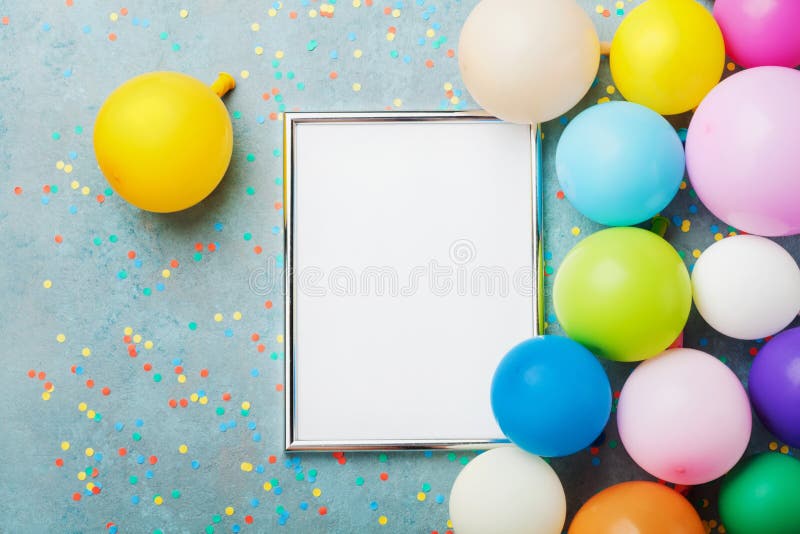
164	140
667	55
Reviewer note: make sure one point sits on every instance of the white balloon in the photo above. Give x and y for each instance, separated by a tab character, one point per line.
508	491
746	287
528	61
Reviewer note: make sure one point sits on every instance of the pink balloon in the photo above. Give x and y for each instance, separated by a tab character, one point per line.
684	417
760	32
742	151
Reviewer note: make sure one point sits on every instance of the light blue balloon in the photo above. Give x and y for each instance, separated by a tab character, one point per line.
619	163
551	396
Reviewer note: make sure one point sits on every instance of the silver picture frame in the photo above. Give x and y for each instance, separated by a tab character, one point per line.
293	122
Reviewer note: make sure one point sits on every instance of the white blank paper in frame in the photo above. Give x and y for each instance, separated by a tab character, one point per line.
412	273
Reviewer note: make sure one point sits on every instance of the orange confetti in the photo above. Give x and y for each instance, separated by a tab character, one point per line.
112	37
429	63
333	75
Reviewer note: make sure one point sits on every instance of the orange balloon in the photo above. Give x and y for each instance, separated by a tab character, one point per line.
637	508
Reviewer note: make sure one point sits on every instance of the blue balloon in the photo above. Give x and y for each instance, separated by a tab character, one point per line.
551	396
619	163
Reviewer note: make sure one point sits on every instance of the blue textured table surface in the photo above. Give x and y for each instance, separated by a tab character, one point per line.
111	316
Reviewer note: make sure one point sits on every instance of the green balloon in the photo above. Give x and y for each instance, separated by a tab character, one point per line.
624	293
762	496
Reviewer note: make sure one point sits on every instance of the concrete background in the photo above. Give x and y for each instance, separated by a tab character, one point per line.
83	285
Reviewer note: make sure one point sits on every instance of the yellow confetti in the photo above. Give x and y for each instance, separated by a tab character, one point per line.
421	496
312	13
259	50
184	13
430	33
218	317
696	253
181	378
246	467
67	168
137	338
82	407
272	12
114	17
90	414
316	492
59	165
357	53
89	452
229	510
448	86
74	184
603	100
148	344
182	448
47	284
65	445
267	486
81	475
45	395
86	352
382	520
397	102
128	330
575	230
395	13
356	87
773	446
356	3
255	26
611	89
245	74
85	190
246	405
158	500
61	338
237	315
279	54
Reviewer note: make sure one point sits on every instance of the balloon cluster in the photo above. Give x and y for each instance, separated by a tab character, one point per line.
624	293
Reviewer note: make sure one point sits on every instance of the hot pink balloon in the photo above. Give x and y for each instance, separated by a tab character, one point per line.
684	417
742	151
760	32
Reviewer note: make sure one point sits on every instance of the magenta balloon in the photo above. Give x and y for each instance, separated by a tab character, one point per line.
742	151
760	32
